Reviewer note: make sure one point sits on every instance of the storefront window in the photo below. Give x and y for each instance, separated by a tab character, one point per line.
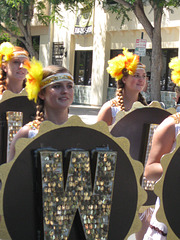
83	67
58	53
166	83
114	53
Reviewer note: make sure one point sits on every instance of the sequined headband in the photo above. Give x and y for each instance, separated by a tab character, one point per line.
58	77
15	55
19	54
140	66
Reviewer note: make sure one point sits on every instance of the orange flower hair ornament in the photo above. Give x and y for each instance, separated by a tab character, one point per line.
34	78
6	50
175	74
123	62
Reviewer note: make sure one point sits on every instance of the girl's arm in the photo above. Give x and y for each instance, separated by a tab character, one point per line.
22	133
105	114
162	142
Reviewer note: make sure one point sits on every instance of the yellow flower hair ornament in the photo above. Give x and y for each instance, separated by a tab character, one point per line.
34	78
175	74
6	50
126	62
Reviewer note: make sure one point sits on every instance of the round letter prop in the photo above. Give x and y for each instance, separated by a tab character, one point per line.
74	181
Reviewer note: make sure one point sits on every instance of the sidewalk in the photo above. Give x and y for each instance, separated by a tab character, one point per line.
87	113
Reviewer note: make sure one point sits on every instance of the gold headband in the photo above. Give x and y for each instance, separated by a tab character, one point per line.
140	66
19	54
58	77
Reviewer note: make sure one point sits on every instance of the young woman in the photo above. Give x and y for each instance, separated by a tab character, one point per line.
163	142
52	88
12	72
131	78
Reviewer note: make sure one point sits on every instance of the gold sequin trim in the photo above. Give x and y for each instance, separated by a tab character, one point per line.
56	78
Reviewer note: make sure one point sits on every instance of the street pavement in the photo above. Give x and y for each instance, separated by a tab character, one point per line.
87	113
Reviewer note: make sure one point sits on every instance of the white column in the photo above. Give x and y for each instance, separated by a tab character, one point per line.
179	45
101	54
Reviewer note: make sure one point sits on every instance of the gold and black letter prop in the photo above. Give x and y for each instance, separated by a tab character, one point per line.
73	181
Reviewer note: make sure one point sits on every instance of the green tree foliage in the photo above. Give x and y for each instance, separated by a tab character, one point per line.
122	7
4	37
16	17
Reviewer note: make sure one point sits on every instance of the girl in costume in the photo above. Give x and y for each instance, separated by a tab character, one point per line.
131	78
52	89
130	75
164	140
12	72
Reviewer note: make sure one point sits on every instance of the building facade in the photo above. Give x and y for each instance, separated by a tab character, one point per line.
86	40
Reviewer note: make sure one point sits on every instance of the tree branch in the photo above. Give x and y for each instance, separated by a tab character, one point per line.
141	16
138	9
12	34
124	3
140	4
158	12
23	22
